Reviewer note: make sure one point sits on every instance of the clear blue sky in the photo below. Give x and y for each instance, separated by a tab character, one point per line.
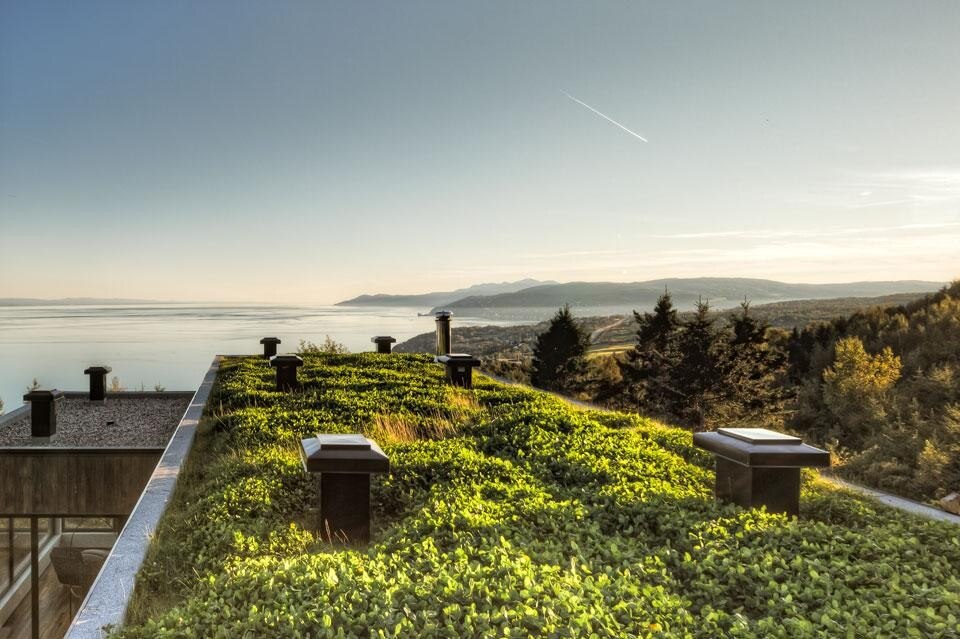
310	151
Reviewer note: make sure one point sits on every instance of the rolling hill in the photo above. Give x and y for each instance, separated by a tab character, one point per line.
439	298
616	297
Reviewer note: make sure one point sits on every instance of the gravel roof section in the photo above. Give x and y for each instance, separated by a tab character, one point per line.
137	421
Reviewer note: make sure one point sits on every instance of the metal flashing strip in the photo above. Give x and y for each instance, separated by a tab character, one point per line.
106	603
894	501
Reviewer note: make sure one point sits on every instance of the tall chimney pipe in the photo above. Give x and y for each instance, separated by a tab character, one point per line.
443	332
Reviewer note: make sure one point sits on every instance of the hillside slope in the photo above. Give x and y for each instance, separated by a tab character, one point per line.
720	292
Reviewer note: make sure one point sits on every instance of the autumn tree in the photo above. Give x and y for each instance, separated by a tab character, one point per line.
938	465
856	389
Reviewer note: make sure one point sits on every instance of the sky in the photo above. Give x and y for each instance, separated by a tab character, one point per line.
312	151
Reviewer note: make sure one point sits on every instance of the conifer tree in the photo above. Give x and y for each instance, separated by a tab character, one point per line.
646	370
746	329
751	368
697	380
558	357
658	329
695	371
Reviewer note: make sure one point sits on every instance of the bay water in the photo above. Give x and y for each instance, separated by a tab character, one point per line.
172	345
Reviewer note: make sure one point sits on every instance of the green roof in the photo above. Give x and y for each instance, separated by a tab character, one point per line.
511	513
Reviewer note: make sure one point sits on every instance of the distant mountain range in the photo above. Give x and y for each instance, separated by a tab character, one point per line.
721	292
440	298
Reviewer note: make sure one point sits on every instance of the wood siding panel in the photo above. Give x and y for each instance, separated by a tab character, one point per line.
73	482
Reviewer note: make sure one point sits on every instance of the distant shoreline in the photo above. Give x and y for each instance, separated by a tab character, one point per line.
76	301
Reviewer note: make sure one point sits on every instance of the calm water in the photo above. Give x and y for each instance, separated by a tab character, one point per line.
173	344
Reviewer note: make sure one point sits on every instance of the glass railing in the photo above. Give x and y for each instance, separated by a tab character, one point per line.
15	547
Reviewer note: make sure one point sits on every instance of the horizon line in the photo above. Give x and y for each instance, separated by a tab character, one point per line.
118	301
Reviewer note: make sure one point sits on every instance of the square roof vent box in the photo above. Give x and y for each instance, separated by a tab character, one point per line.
343	442
759	436
339	453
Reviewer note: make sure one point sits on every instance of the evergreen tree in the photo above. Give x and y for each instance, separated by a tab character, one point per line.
799	354
658	329
751	369
694	371
558	357
646	370
746	329
697	380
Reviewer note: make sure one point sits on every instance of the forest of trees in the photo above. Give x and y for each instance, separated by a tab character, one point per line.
880	388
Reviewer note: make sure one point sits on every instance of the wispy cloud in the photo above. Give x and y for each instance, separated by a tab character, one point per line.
770	234
598	253
605	117
880	203
913	187
904	251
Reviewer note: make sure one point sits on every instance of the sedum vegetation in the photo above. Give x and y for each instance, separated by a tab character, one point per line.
510	513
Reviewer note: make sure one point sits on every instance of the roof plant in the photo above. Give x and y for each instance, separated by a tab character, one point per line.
509	513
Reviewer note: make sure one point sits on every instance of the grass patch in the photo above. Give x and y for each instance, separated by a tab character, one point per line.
609	350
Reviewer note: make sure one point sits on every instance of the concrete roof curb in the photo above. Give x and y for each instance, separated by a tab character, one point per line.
894	501
106	603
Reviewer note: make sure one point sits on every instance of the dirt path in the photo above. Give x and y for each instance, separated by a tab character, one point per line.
595	335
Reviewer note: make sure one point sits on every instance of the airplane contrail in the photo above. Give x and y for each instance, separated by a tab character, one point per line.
608	119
